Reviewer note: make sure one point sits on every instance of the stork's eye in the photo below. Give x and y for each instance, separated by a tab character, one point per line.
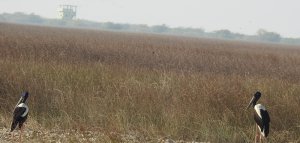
25	94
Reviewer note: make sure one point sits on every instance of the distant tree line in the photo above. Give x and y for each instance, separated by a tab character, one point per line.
261	35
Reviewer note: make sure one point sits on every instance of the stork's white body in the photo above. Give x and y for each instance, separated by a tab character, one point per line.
23	105
259	107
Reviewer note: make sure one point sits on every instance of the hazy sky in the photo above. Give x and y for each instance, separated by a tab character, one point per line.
243	16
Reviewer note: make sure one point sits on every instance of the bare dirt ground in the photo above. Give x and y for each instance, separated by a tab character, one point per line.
74	136
56	136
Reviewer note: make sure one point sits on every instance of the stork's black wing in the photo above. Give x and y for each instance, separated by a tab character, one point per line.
258	120
265	115
263	121
19	111
17	116
266	120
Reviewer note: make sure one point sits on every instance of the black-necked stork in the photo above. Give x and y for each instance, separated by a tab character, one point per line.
20	113
261	117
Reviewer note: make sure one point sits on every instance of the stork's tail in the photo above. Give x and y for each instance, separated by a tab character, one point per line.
13	125
265	131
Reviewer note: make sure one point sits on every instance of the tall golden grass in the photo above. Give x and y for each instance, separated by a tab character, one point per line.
185	88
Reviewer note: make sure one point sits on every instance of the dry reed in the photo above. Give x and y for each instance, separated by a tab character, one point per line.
185	88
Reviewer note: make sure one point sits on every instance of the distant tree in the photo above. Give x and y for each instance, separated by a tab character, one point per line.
160	28
140	27
2	18
264	35
198	32
110	25
224	33
294	41
32	18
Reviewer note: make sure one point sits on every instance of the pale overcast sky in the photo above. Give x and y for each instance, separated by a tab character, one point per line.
242	16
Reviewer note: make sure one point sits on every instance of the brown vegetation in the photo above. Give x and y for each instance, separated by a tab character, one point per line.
183	88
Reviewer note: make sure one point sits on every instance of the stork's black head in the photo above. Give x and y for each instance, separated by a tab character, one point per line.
257	95
24	97
254	99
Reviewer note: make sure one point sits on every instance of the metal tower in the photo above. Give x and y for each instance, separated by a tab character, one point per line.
67	12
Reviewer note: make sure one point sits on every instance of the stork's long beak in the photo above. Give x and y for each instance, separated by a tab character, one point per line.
20	100
251	102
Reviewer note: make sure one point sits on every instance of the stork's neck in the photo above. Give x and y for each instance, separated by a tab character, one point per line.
254	103
23	101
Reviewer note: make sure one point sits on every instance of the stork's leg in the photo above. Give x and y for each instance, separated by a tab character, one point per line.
255	140
257	134
260	139
12	135
21	131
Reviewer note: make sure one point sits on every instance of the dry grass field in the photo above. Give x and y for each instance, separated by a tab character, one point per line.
186	89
